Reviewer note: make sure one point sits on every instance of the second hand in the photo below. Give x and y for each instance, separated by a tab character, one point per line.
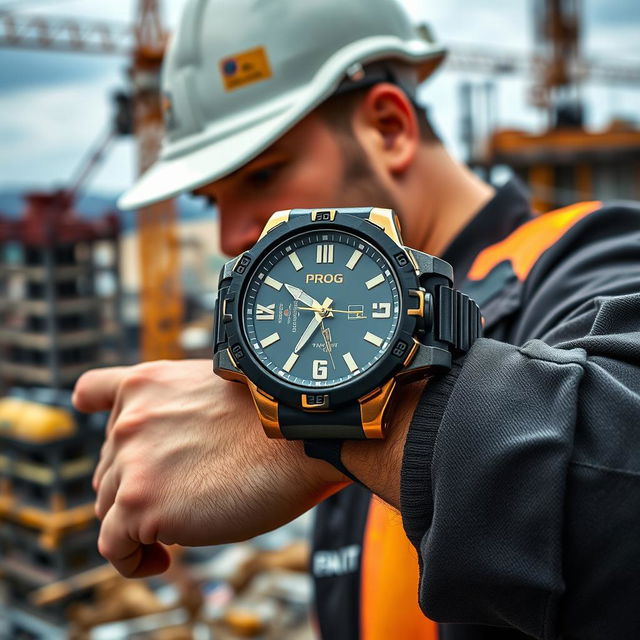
327	341
329	310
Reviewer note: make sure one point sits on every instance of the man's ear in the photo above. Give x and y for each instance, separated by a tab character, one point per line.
386	124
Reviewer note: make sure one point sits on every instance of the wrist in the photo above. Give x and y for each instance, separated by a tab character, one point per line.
377	463
322	478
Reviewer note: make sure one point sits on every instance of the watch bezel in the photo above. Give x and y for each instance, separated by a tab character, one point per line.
349	391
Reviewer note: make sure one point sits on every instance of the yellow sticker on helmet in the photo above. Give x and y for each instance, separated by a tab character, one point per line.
245	68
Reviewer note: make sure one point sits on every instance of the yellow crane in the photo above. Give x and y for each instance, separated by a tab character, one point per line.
144	43
161	308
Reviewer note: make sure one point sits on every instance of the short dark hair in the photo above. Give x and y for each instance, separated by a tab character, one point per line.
337	113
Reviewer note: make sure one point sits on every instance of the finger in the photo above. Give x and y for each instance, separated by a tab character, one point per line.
106	493
115	413
128	556
107	450
107	454
96	390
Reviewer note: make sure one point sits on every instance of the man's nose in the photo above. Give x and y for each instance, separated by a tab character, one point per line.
238	233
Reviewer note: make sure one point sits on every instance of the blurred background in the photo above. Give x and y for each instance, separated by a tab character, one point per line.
545	89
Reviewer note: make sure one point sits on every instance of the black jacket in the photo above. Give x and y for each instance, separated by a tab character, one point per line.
521	473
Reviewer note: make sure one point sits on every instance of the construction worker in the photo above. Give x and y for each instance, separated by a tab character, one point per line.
516	474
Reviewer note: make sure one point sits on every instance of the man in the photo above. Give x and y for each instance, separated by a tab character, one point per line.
517	473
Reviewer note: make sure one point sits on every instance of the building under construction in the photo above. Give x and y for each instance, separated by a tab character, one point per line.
60	287
48	528
59	293
59	316
566	162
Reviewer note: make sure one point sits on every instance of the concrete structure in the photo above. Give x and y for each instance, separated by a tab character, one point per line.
59	293
48	528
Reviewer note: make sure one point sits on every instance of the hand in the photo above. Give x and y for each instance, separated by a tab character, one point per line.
316	321
330	310
326	334
299	294
186	461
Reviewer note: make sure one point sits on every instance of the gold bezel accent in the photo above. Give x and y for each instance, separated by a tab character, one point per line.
373	406
276	219
412	259
267	409
315	212
387	220
233	376
412	353
225	313
419	310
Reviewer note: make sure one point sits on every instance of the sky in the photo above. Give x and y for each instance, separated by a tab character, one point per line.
54	106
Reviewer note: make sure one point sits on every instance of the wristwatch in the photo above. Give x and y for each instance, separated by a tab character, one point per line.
327	314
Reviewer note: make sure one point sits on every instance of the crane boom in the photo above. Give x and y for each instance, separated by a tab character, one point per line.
480	59
65	34
144	42
117	38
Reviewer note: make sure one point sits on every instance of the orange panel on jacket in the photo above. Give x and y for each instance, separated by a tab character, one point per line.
527	243
389	583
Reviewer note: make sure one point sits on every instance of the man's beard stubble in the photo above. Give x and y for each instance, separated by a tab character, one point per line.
360	186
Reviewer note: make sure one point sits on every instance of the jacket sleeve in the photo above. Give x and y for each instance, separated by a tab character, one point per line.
520	483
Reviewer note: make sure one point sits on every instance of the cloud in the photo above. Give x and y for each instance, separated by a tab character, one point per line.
23	69
50	130
53	106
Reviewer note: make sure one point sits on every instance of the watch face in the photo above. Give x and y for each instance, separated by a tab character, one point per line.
321	309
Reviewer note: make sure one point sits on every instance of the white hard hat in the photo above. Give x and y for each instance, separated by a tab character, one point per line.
240	73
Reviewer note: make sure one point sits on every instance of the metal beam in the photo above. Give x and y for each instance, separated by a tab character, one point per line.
65	34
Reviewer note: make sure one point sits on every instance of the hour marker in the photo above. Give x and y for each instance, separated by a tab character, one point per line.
381	310
320	369
372	338
295	261
291	360
266	313
374	282
353	260
324	253
274	337
350	362
272	282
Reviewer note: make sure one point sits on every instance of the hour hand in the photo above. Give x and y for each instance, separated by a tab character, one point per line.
316	321
299	294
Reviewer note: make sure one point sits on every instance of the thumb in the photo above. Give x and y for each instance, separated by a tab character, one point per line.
96	389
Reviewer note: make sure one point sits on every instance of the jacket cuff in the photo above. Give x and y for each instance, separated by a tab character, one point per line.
416	497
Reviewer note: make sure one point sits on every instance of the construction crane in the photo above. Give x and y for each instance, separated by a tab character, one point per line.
557	87
161	308
567	161
115	38
160	294
144	43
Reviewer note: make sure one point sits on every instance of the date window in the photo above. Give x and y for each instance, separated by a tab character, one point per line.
355	312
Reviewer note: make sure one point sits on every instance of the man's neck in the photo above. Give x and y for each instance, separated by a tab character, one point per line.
444	197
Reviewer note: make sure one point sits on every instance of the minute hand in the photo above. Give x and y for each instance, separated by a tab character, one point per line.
316	321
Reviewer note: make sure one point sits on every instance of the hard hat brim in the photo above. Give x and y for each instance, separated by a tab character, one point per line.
171	176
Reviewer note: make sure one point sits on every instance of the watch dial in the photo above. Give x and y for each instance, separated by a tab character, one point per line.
321	309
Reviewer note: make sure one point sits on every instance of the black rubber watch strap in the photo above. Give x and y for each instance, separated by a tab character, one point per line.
330	451
344	424
335	427
458	319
